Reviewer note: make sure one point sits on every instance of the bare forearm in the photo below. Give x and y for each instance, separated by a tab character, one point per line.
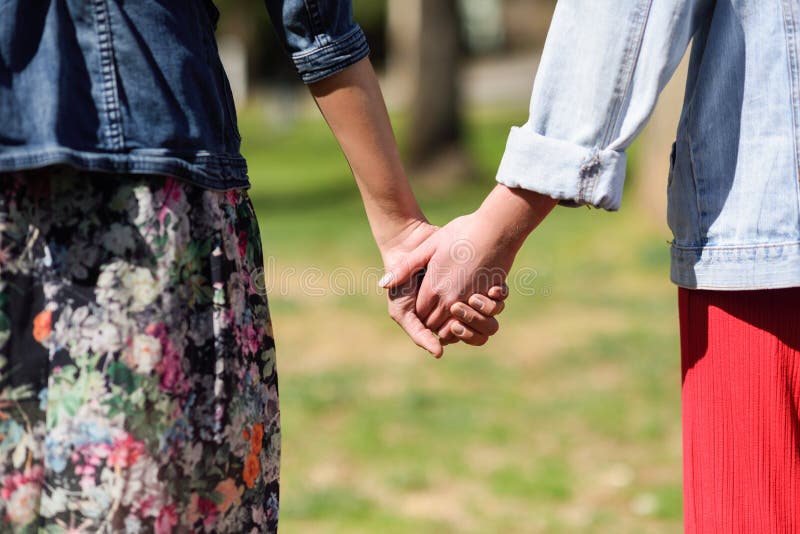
515	213
352	104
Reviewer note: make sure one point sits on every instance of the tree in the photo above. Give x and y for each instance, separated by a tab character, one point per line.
424	62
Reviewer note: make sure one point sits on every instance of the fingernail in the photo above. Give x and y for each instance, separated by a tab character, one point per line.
458	329
477	302
386	280
461	311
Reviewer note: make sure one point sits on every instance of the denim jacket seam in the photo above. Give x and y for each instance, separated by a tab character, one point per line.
588	176
206	170
110	95
701	214
329	60
316	74
789	25
721	248
315	20
136	155
340	42
633	47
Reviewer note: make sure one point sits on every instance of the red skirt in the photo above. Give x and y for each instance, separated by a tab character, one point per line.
740	355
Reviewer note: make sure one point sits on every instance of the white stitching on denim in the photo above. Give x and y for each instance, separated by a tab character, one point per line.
631	59
110	102
789	23
314	17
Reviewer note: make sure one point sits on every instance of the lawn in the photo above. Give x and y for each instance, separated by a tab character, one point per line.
567	421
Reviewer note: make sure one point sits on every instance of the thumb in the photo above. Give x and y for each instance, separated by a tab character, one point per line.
413	262
420	335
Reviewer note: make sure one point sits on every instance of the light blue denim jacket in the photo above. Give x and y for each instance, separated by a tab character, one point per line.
138	87
734	201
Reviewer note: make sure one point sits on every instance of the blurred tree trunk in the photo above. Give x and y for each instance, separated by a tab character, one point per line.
424	62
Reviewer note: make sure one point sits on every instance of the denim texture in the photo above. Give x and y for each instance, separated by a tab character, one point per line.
733	196
138	87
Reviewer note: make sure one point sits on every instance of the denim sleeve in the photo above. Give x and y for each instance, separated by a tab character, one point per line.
603	66
320	35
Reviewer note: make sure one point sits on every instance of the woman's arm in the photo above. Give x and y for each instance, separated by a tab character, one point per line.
352	104
330	52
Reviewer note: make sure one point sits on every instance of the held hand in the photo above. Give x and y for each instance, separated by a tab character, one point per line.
407	260
467	256
473	322
472	255
403	295
463	258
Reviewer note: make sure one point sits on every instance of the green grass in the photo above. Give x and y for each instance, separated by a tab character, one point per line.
568	421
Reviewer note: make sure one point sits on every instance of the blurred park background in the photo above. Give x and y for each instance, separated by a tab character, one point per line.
569	419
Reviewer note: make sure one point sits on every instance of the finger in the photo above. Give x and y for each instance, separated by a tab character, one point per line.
420	335
438	317
486	306
468	335
498	292
427	298
446	336
444	330
412	263
487	326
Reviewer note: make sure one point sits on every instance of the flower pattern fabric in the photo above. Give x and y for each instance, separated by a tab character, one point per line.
138	390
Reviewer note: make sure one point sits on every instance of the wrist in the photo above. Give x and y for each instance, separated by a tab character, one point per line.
395	231
515	212
392	209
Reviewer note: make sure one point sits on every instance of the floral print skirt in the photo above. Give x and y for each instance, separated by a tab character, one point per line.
138	390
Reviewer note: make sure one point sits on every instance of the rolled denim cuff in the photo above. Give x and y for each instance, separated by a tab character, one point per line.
571	173
318	63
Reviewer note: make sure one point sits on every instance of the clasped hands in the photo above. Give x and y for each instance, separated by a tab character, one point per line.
447	284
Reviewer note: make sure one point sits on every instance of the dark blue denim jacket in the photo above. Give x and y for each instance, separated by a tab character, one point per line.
138	87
